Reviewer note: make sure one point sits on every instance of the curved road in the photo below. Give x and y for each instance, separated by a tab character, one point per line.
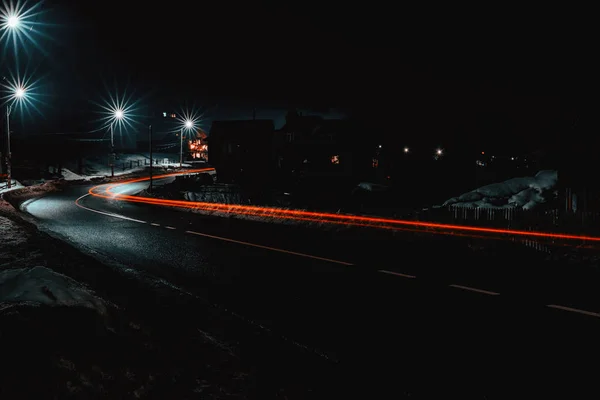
391	313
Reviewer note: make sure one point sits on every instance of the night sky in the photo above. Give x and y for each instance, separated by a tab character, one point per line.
411	83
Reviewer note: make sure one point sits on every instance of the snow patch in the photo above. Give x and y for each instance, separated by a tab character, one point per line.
525	192
216	194
14	185
40	285
98	166
372	187
71	176
11	235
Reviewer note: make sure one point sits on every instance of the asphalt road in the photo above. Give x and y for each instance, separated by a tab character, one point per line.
388	315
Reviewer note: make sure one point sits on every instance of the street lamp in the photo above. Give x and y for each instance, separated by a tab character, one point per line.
13	21
118	116
188	125
18	94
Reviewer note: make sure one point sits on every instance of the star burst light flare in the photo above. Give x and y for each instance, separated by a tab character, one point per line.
22	93
117	110
19	24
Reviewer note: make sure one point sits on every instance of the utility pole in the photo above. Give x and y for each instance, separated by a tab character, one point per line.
150	140
181	148
112	151
1	147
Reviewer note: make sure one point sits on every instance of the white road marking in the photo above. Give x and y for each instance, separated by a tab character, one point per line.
574	310
269	248
397	274
153	224
106	213
475	290
214	237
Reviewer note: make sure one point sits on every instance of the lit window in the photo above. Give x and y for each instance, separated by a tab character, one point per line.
335	159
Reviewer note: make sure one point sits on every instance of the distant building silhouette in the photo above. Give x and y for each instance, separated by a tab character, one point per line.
242	151
313	146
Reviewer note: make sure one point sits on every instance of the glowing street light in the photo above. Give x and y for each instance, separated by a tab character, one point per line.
406	150
188	120
118	115
187	125
18	94
439	152
19	24
13	21
117	111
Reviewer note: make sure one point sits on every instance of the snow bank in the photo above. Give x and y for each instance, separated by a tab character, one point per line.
215	194
97	166
16	197
40	285
525	192
71	176
14	185
12	237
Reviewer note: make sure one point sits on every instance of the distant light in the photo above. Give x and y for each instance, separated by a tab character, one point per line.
13	21
406	149
483	152
438	152
379	146
165	115
189	124
512	158
119	114
19	93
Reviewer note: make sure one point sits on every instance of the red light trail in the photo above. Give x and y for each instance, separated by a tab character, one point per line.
106	191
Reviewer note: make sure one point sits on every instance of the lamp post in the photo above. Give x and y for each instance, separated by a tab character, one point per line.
18	95
11	23
150	140
118	115
187	125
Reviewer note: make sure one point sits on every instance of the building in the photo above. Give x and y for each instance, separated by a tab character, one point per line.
197	147
311	146
241	151
578	185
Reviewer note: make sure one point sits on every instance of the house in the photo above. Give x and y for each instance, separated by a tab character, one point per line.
312	146
197	146
578	185
242	151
